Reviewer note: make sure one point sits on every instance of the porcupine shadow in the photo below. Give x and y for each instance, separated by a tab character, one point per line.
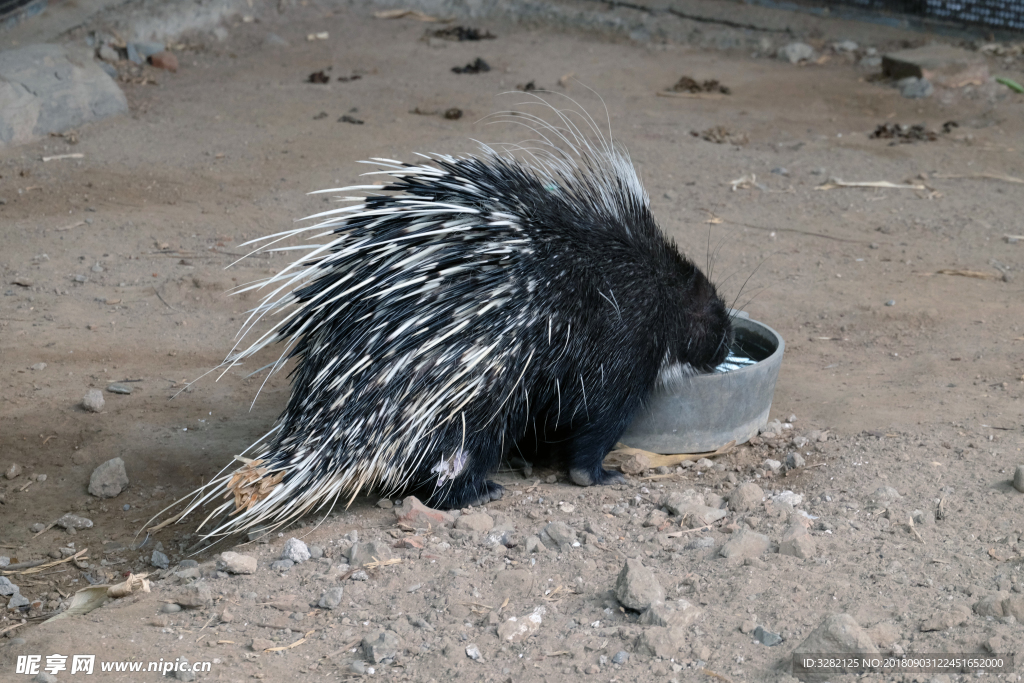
523	301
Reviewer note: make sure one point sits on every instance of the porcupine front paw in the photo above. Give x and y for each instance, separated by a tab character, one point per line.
468	496
594	477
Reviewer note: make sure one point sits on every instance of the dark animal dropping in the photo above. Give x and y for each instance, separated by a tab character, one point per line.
468	309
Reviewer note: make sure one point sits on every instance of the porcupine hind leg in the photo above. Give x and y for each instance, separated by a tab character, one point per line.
590	444
461	480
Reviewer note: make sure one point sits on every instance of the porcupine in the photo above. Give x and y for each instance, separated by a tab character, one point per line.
521	301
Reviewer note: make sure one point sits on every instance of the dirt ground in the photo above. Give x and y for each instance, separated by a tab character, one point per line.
114	269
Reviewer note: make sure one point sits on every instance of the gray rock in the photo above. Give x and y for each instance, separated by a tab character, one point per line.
70	521
743	544
170	608
158	559
767	637
8	588
560	533
93	399
674	615
109	479
383	646
882	497
915	88
315	552
746	497
944	620
794	460
18	600
678	501
991	605
838	634
661	641
50	89
362	554
236	563
118	388
621	657
1018	478
636	588
796	542
148	49
184	672
331	599
195	595
295	550
108	54
702	543
795	53
473	652
477	521
282	565
533	544
133	54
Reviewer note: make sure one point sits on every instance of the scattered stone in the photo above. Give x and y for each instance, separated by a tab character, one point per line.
473	652
17	601
838	634
621	657
743	544
362	554
109	479
942	621
383	646
261	644
661	641
882	497
788	498
415	514
236	563
746	497
360	576
8	588
1018	478
477	521
37	528
170	608
990	605
12	471
385	504
655	518
884	635
295	550
93	401
159	560
282	565
773	465
70	521
767	637
915	88
331	598
795	461
522	627
702	543
51	89
794	53
118	388
635	463
108	54
38	367
797	542
533	544
315	552
40	478
165	60
560	533
945	65
195	595
636	588
673	615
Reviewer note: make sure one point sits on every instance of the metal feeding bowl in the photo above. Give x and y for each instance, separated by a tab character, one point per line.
705	412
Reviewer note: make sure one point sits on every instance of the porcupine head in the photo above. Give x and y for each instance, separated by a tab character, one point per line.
521	301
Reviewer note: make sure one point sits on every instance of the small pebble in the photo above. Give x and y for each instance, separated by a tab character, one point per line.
1018	478
473	652
159	560
118	388
93	400
621	657
890	302
170	608
295	550
282	565
40	478
38	366
13	470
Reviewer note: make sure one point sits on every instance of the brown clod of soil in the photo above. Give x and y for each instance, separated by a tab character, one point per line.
478	66
319	77
453	114
687	84
721	135
901	133
461	33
